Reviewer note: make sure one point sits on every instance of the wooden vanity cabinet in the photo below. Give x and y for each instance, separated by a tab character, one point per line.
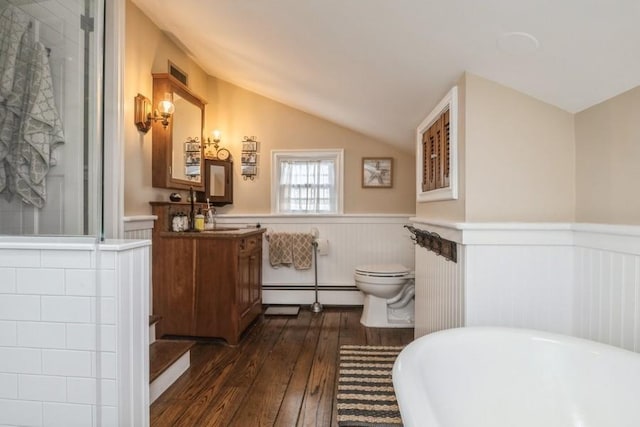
206	284
249	295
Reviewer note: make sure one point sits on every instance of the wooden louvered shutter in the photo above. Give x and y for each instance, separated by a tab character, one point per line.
446	151
436	154
425	163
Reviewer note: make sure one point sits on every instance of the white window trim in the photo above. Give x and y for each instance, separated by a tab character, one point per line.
336	154
450	101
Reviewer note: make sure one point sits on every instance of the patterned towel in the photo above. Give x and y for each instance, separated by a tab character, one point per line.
280	249
30	127
13	25
286	249
40	132
302	248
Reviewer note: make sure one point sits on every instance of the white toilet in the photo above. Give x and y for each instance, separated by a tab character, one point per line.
388	295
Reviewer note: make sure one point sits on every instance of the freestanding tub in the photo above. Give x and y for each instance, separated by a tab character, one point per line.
504	377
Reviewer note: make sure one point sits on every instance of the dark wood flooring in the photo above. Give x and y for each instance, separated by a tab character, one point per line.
283	373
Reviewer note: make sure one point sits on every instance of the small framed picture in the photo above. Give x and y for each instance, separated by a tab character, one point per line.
248	157
249	145
377	172
249	170
192	158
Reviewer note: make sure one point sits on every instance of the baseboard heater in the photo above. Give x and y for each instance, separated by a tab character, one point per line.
309	287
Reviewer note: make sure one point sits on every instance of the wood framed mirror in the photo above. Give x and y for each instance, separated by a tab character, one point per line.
177	152
219	182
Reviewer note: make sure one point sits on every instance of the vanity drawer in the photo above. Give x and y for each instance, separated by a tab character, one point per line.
248	244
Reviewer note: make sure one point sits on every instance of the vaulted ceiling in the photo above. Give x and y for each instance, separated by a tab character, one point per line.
379	66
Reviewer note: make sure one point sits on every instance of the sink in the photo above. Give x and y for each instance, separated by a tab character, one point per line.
217	229
213	230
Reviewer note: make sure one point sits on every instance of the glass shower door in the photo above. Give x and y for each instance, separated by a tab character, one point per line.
50	150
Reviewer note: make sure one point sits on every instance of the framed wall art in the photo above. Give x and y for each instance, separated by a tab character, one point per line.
377	172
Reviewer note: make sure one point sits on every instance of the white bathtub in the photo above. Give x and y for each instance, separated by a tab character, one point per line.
504	377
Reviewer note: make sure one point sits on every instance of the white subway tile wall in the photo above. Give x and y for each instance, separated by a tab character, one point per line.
107	366
52	360
19	307
46	281
81	336
19	258
81	390
41	335
66	259
8	386
8	333
40	387
20	360
67	415
71	363
8	282
20	412
80	282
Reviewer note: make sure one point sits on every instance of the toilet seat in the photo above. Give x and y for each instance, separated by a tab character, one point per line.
388	295
383	270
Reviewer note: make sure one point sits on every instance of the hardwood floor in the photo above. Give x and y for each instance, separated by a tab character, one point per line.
283	373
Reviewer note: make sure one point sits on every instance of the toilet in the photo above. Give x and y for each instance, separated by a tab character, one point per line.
388	295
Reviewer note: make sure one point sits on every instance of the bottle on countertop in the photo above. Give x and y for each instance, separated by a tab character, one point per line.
185	221
198	224
176	222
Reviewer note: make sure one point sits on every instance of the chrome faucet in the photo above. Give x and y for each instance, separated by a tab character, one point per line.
212	216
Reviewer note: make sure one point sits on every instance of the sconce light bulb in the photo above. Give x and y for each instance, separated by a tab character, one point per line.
216	135
166	107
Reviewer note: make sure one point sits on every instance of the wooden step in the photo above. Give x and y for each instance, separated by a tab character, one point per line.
154	318
169	359
163	353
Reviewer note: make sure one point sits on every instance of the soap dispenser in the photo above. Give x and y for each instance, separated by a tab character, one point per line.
198	224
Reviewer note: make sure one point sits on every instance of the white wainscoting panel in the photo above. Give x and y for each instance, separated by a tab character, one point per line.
139	227
577	279
519	286
515	275
353	240
131	305
607	285
439	299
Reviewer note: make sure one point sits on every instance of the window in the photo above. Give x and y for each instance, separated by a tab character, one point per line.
306	181
437	168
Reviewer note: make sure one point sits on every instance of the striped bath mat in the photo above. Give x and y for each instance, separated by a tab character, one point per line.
365	389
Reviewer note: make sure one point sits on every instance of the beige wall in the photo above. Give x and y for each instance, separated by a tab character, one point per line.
236	113
524	160
608	161
516	158
520	156
452	210
147	51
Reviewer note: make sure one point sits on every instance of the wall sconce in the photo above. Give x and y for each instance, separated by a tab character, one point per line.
142	112
215	139
217	152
